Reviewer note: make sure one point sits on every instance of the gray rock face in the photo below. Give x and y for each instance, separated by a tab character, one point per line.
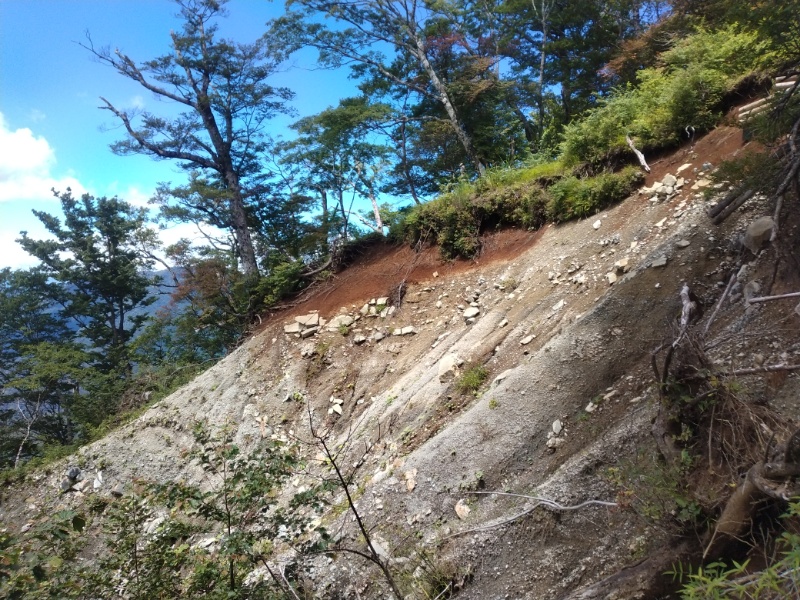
758	232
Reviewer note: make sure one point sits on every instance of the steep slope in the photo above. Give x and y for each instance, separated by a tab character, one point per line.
563	320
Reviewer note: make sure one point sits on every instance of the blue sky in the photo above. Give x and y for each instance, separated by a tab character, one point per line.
51	132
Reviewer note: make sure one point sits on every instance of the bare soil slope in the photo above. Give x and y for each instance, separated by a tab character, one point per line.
566	319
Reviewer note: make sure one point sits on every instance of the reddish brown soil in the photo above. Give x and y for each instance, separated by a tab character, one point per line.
380	268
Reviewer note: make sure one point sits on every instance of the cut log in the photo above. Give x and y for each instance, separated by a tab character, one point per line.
764	481
730	208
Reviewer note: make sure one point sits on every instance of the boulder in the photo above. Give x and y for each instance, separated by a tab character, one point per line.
448	366
309	320
292	328
338	321
758	232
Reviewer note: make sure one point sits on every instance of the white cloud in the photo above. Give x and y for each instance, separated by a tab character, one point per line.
132	194
136	103
26	162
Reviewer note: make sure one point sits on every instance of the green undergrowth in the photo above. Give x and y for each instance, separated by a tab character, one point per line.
528	198
685	89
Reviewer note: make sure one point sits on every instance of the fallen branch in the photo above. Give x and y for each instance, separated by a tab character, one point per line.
552	504
729	198
732	280
730	208
771	298
767	369
638	154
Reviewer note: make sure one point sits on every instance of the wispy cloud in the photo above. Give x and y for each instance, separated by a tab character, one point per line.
36	116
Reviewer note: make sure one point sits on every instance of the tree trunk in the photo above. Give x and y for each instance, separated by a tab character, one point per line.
444	98
241	231
404	161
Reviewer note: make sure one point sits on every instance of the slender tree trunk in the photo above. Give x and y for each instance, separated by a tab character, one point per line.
543	13
444	98
404	161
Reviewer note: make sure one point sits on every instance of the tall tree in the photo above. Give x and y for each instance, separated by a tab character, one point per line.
223	89
370	27
337	158
94	258
30	323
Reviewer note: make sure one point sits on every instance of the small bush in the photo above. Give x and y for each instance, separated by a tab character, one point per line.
472	379
577	198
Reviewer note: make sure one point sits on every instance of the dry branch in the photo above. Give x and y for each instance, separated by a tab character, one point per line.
767	369
770	298
638	154
540	501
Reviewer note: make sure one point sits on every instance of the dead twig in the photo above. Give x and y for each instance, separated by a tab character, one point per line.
713	316
767	369
771	298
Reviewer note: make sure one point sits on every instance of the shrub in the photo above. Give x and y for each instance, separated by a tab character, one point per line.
472	379
576	198
686	89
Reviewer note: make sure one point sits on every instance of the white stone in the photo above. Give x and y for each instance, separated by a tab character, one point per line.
472	312
527	340
597	224
557	426
309	320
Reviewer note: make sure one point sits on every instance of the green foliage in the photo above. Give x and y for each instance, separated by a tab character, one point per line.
657	492
41	563
685	89
95	258
456	219
780	578
151	533
472	379
577	198
751	170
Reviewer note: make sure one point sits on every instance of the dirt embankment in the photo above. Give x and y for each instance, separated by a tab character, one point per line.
562	320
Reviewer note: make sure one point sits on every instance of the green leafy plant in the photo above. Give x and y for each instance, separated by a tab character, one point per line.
780	578
472	379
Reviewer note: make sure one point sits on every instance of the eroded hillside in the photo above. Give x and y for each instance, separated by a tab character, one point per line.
563	321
